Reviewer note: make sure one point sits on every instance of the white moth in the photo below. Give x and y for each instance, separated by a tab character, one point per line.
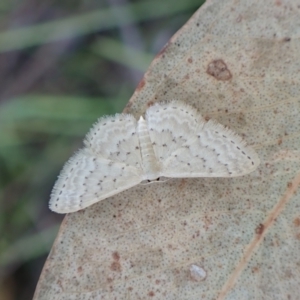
172	141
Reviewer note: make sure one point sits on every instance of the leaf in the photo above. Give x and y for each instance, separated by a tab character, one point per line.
238	63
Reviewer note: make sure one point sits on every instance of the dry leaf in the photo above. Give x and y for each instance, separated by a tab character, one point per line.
237	62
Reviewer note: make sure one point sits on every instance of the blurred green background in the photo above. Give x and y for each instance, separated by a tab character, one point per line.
63	64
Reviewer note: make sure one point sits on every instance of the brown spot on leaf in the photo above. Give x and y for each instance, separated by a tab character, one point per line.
182	184
150	103
279	142
79	269
289	185
115	266
260	229
297	222
190	60
141	84
116	256
218	69
151	294
287	39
